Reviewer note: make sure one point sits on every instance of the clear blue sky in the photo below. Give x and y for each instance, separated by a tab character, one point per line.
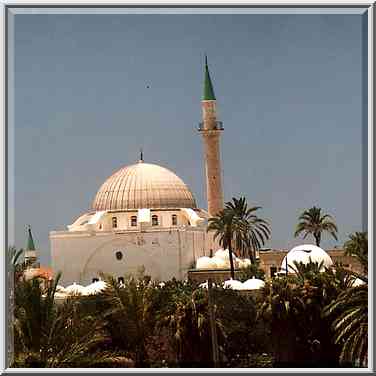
288	89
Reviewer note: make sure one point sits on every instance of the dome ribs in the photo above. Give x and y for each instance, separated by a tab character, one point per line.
143	185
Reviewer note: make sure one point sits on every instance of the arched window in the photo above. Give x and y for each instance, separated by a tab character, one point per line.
154	220
114	222
119	255
95	280
174	219
121	280
134	220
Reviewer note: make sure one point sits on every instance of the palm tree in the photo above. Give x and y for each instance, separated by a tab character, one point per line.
15	262
131	315
250	231
74	337
350	323
14	255
223	225
293	307
282	308
357	246
187	321
309	271
349	311
237	225
312	222
47	334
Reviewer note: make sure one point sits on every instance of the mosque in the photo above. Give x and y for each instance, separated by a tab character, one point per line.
144	217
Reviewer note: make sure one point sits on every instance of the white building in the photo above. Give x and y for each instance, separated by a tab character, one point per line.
144	216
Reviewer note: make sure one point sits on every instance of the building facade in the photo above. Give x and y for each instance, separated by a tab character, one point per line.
144	218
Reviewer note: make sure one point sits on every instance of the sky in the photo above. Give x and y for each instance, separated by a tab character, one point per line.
90	90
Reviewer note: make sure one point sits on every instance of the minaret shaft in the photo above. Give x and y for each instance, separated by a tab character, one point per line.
211	129
213	171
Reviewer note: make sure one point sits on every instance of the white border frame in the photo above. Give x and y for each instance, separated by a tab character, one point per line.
266	3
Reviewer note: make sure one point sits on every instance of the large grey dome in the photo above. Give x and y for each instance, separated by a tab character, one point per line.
143	185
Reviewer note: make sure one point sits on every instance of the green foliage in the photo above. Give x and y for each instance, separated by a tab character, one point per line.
357	246
236	226
130	317
186	318
15	256
52	335
310	271
313	223
185	313
251	271
223	225
250	231
15	262
244	335
255	360
293	307
312	318
349	313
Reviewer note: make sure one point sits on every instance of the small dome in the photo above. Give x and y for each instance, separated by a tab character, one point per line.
357	282
221	263
306	253
75	289
95	287
60	295
233	284
244	263
253	284
60	289
143	185
224	254
221	260
205	262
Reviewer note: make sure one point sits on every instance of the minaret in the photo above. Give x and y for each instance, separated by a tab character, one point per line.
211	129
30	252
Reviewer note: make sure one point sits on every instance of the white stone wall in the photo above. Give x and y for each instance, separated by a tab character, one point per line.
82	256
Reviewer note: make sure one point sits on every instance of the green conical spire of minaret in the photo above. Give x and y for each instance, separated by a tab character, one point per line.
208	87
30	242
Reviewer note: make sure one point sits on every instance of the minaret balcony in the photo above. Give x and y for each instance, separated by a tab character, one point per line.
218	126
